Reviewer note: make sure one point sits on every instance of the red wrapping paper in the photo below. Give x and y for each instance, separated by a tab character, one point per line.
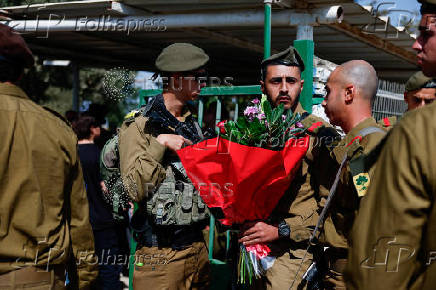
245	182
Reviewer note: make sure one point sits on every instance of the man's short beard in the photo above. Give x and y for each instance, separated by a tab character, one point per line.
293	106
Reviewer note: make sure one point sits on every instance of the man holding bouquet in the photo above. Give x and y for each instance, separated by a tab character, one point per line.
290	226
171	252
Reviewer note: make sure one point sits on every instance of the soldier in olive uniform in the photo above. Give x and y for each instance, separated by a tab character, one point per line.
393	238
290	225
419	91
171	251
351	90
44	216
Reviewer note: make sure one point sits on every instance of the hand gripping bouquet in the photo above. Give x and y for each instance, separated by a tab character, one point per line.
243	173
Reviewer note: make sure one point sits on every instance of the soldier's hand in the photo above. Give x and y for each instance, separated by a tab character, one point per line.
258	232
172	141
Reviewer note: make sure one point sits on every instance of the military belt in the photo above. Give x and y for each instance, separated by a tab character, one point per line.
31	275
177	238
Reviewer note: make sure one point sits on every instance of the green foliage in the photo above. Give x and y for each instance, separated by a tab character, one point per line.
270	131
51	86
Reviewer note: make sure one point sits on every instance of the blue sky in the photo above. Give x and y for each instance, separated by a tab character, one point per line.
409	5
402	4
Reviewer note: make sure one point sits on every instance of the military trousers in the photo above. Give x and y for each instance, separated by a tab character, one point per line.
158	268
34	278
284	270
334	280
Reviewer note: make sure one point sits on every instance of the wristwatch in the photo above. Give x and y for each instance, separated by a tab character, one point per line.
284	230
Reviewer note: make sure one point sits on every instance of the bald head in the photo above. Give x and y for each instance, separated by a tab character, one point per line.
361	75
351	90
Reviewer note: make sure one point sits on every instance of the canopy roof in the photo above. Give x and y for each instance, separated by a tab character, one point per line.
230	31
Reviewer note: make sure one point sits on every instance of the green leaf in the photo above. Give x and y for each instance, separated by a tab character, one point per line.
256	127
278	112
242	123
289	116
266	107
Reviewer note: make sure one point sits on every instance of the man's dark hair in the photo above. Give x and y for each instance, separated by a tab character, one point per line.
264	67
82	127
10	72
71	116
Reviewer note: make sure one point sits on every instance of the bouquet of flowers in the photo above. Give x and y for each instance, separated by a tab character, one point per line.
243	173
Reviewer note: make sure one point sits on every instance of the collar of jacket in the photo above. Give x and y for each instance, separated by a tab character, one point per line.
299	109
351	141
12	90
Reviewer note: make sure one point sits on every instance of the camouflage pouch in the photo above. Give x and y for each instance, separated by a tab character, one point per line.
176	201
115	195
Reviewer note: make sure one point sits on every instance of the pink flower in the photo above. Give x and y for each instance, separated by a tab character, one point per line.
251	112
255	101
299	125
261	116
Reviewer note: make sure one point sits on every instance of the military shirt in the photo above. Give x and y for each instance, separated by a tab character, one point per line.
345	204
141	157
394	236
43	203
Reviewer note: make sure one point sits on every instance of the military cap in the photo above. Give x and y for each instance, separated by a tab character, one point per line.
428	6
180	57
419	81
13	48
289	56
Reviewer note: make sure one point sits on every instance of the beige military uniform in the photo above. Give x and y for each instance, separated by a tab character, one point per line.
394	237
351	188
141	159
44	215
299	209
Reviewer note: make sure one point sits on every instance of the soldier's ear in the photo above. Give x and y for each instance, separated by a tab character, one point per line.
262	87
349	93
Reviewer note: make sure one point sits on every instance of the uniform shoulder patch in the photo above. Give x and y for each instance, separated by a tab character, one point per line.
388	122
361	183
313	124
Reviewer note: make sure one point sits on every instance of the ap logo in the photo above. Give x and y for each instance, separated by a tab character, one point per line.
389	254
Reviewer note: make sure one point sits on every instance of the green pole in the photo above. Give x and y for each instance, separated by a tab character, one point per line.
267	30
200	111
211	235
132	257
306	49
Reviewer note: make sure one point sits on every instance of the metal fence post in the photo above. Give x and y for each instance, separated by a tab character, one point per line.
267	30
306	49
